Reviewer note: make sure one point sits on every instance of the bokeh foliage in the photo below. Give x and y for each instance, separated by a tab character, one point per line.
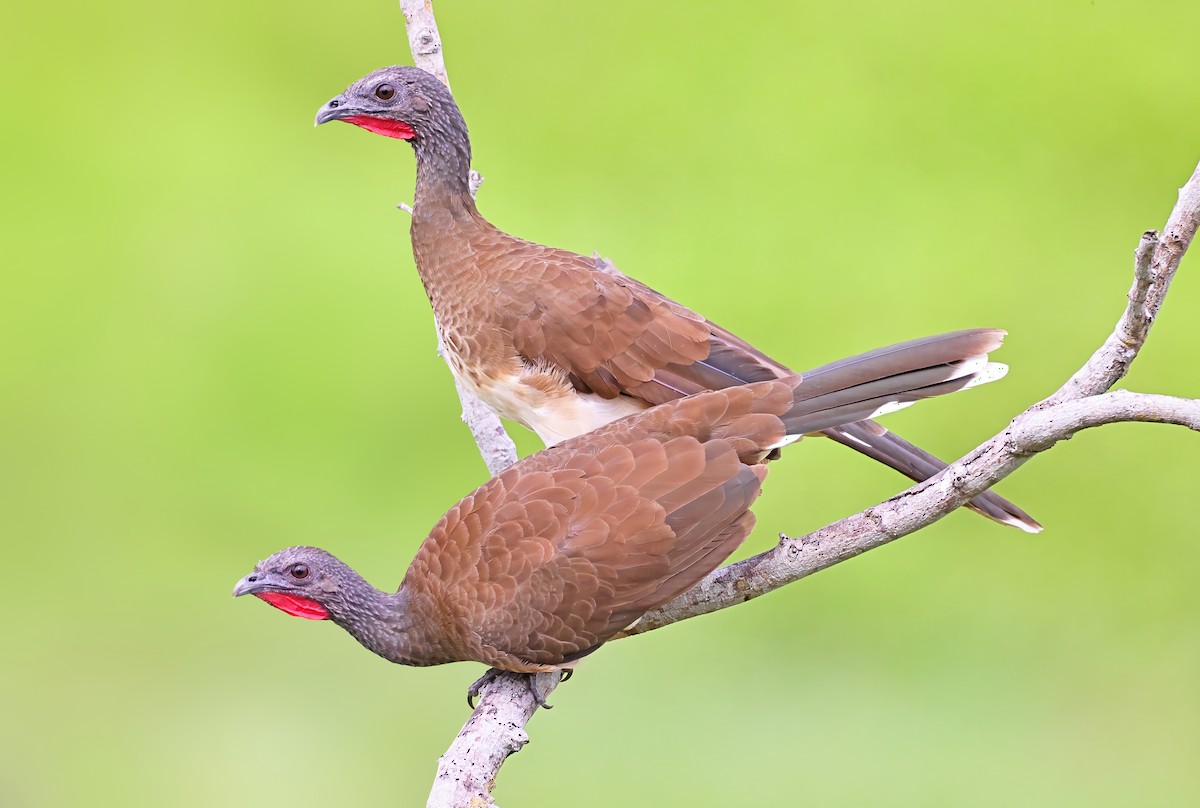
215	345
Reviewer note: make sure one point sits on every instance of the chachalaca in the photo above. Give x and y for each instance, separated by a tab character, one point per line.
541	565
556	341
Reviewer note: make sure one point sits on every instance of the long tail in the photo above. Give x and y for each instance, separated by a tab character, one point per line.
888	448
837	398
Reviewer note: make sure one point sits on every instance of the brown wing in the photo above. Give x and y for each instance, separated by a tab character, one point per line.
549	559
613	335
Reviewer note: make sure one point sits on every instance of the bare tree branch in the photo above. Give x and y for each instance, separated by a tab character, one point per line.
1075	406
423	38
467	771
1155	262
1081	404
495	446
1032	432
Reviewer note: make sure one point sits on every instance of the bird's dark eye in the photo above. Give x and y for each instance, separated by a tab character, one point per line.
299	571
384	91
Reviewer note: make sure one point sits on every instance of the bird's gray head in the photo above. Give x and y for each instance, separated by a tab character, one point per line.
401	102
304	582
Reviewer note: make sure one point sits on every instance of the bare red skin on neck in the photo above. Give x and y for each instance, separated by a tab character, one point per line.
295	605
383	126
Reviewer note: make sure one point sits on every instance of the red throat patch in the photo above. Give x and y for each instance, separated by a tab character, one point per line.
295	605
383	126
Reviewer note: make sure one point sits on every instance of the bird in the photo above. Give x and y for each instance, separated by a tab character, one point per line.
540	566
559	342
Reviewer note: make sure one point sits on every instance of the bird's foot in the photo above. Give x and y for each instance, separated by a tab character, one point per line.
477	686
540	690
537	688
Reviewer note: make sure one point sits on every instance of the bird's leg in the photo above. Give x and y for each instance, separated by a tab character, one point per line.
541	691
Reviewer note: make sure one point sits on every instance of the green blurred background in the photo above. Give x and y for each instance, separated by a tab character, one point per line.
215	345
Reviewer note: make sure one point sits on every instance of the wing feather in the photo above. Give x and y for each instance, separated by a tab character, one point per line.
547	561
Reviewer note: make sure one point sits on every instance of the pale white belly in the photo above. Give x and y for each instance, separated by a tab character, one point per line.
554	416
578	413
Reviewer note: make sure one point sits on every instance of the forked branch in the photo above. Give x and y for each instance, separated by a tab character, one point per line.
467	771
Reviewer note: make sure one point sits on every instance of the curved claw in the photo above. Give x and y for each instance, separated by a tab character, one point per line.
477	686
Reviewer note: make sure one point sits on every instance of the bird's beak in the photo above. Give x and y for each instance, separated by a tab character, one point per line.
253	583
335	110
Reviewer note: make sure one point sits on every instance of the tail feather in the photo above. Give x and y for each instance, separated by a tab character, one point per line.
758	418
804	421
837	399
955	346
887	379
